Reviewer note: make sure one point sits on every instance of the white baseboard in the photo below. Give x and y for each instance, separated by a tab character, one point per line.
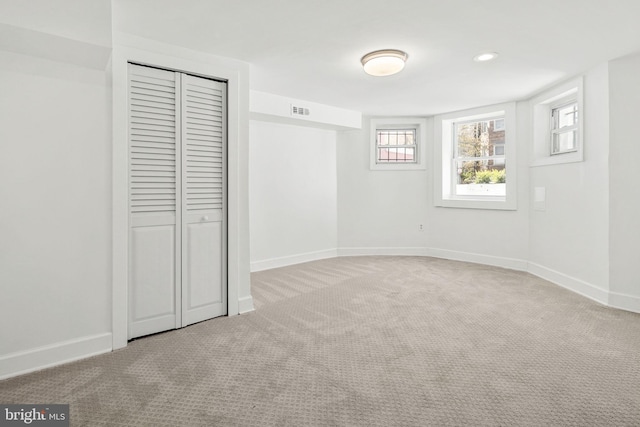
624	302
510	263
245	304
268	264
571	283
513	264
408	251
23	362
591	291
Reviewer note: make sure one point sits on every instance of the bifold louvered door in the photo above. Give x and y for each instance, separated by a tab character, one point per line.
177	241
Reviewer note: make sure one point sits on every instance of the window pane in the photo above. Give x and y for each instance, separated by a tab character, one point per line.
477	139
565	141
474	172
396	137
396	154
396	145
481	178
410	154
565	116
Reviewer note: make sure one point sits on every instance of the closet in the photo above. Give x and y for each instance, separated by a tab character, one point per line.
177	199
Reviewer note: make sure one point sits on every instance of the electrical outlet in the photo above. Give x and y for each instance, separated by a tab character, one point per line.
420	227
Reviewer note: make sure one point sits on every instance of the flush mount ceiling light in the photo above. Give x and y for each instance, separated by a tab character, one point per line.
384	62
484	57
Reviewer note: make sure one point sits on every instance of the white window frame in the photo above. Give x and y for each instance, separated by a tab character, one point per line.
414	146
444	149
496	128
556	130
457	158
389	123
542	107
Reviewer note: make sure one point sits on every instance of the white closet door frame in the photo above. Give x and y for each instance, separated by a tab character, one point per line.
236	75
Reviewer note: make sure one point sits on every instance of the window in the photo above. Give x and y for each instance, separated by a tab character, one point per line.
557	125
477	151
564	128
478	169
397	143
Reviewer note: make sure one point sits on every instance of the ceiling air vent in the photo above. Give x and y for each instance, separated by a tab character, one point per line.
299	111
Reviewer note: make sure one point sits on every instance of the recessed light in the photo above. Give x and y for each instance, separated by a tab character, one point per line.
384	62
484	57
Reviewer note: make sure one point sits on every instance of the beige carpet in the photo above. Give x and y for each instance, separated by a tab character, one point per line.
370	341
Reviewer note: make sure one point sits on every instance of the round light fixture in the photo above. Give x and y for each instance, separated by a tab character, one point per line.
484	57
384	62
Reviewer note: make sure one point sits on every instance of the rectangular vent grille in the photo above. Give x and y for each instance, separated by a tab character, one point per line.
299	111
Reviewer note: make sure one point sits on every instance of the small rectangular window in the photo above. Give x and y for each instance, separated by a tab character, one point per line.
564	129
558	122
396	145
498	124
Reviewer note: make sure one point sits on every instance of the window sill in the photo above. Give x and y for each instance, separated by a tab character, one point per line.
558	159
470	202
397	167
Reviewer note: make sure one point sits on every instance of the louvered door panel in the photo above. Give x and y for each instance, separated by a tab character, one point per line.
204	236
154	192
204	136
152	134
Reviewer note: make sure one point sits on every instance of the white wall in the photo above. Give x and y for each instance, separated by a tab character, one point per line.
85	20
292	194
494	236
55	215
277	109
381	211
62	297
624	196
569	239
378	209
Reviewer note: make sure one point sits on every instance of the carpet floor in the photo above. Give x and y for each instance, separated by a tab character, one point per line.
369	341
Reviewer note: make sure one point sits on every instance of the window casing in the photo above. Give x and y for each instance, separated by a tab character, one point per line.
558	121
397	143
477	153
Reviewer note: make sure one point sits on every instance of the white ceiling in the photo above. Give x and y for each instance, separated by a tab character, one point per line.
311	49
